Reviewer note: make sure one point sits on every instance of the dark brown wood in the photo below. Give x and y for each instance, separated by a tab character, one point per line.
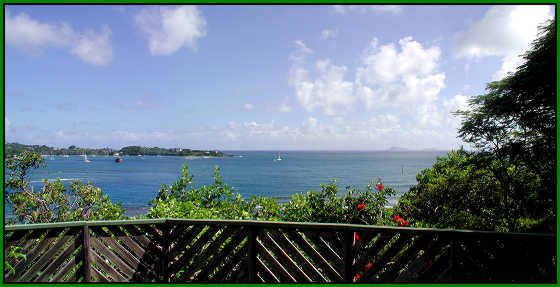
252	254
295	254
99	248
86	267
56	264
317	258
46	257
348	257
284	259
105	267
191	251
219	259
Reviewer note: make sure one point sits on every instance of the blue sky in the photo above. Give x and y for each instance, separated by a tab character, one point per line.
242	77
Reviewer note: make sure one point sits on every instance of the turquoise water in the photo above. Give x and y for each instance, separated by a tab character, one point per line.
135	181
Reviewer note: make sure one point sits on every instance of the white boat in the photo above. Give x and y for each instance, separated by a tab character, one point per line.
278	158
85	158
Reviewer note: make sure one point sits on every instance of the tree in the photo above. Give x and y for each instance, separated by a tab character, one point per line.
513	127
53	202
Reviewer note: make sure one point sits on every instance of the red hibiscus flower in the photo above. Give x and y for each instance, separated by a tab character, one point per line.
356	236
396	218
368	266
403	223
357	277
361	206
379	187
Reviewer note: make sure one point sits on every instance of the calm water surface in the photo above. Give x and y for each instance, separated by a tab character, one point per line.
135	181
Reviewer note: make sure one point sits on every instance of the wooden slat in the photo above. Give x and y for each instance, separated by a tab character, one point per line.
99	248
393	271
116	247
388	255
34	255
184	240
297	256
284	258
105	267
64	271
129	243
212	250
362	257
326	251
56	264
229	264
276	267
319	260
266	275
47	256
217	259
192	251
97	276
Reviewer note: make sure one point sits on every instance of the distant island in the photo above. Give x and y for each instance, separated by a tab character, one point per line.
396	148
12	149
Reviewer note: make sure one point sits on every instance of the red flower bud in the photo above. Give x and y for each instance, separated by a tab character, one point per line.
379	187
361	206
368	266
357	277
356	236
403	223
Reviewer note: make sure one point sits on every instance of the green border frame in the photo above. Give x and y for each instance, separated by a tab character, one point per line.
249	2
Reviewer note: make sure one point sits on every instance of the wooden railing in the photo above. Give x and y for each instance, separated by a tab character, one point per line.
175	250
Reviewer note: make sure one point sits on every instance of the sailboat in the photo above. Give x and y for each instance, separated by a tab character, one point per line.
278	158
85	158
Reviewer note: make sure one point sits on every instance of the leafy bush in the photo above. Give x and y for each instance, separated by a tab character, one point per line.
53	202
219	201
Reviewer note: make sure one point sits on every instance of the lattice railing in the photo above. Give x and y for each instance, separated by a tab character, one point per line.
175	250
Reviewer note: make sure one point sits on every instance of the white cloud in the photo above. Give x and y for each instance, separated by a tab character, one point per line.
459	102
284	106
171	28
32	36
407	79
504	31
94	48
329	34
329	92
344	9
248	107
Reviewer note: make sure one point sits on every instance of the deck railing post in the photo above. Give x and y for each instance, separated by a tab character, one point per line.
85	253
166	247
252	253
348	255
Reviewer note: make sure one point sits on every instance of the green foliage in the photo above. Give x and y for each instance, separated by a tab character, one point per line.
14	252
514	128
53	202
219	201
327	206
453	193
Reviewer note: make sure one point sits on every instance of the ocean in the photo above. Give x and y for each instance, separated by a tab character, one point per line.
136	180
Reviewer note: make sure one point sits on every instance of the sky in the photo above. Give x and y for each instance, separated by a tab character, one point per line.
309	77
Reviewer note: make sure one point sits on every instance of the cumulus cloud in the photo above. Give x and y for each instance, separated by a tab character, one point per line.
94	48
328	34
344	9
32	36
248	107
284	106
405	77
504	31
328	92
171	28
459	102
